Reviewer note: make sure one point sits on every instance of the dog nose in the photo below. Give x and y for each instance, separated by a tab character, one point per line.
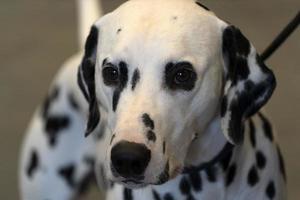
130	159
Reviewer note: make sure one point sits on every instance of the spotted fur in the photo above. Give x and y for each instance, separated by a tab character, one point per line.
175	73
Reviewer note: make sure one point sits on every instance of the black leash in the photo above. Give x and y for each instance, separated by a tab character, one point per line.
285	33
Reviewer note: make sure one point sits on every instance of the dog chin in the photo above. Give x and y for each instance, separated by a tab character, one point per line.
134	185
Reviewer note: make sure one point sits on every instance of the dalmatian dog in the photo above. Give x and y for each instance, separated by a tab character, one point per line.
164	104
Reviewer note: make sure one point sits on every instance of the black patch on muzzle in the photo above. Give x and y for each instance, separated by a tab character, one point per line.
148	122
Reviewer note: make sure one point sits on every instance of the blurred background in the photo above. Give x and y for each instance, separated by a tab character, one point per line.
37	36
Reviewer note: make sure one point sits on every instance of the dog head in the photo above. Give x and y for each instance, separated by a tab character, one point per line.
162	71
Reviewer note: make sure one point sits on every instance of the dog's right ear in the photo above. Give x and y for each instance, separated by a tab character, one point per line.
86	79
248	83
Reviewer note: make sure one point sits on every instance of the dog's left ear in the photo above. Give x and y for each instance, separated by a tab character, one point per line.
86	79
248	83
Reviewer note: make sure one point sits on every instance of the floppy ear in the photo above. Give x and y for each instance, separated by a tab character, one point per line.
86	79
248	83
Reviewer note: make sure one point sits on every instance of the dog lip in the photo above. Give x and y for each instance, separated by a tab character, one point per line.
132	181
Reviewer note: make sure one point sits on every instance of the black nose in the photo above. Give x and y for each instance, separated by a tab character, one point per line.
130	159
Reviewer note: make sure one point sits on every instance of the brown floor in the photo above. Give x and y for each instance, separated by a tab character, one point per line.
37	36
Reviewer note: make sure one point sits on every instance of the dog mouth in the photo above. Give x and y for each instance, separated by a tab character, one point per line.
135	183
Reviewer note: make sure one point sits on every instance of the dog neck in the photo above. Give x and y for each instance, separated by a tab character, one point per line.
210	147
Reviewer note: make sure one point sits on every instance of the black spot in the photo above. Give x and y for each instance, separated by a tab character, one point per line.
230	174
168	196
260	160
190	197
112	184
203	6
211	174
148	122
225	161
266	126
119	30
33	164
151	136
73	102
53	126
252	176
252	133
224	106
185	186
135	78
164	147
67	172
49	99
86	182
89	160
112	138
270	190
281	163
105	61
128	194
164	176
122	84
116	97
155	195
195	180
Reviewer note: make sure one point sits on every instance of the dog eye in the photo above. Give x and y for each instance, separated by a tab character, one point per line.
110	75
180	76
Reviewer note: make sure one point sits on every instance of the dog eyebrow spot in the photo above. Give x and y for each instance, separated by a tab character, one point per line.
149	123
135	78
122	84
105	61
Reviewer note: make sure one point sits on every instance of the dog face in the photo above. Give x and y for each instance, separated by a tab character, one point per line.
161	71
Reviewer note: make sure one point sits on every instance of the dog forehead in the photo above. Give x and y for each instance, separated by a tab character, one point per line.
168	28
